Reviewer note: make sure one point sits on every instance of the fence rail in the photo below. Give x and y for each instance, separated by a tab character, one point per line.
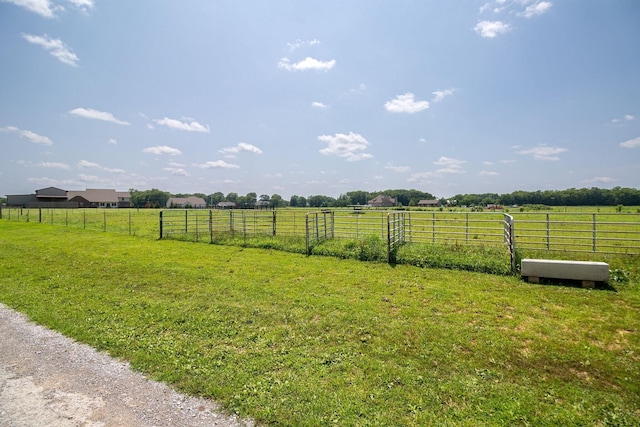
577	232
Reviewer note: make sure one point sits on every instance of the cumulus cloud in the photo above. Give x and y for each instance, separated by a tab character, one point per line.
439	95
488	173
189	125
544	152
27	134
83	5
306	64
536	9
92	165
176	171
90	113
42	7
449	165
242	147
632	143
112	141
625	118
405	104
56	47
398	169
162	149
301	43
319	105
48	165
598	179
217	164
350	147
490	29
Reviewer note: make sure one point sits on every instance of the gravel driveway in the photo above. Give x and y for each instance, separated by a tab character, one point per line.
47	379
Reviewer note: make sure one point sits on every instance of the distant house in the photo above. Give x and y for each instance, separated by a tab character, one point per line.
226	205
58	198
186	202
431	203
99	198
382	201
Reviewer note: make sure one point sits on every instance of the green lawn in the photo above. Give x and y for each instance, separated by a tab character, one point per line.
295	340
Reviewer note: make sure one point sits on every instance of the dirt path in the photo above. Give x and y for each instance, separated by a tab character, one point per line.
47	379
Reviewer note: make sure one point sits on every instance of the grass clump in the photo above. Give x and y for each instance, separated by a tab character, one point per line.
294	340
480	258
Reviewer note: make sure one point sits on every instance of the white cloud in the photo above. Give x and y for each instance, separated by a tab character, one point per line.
350	147
41	7
217	164
439	95
319	105
599	179
490	29
177	171
536	9
112	141
625	118
48	165
27	134
92	165
405	104
488	173
90	113
189	125
424	177
162	149
398	169
242	147
632	143
544	152
306	64
55	47
301	43
83	5
450	165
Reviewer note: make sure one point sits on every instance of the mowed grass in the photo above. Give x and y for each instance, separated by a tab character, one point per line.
295	340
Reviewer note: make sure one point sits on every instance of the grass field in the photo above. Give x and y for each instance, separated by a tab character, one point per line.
295	340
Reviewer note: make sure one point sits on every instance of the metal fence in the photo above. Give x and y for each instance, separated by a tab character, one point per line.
572	232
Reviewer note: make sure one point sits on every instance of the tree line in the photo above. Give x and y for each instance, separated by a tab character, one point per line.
155	198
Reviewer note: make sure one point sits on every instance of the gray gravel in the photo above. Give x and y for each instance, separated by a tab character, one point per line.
47	379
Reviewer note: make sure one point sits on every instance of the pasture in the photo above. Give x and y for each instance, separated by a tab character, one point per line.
294	340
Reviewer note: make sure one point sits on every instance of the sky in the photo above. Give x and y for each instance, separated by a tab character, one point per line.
309	98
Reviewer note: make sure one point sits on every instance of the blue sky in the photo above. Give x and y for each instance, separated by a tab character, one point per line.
305	98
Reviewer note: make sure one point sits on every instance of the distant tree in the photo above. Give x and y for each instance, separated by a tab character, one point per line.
250	199
277	201
153	198
264	198
216	198
232	197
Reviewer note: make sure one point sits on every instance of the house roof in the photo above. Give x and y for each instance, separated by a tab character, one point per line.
52	192
94	195
382	199
193	201
429	202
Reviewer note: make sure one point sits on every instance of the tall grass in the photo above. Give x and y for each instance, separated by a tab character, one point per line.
304	341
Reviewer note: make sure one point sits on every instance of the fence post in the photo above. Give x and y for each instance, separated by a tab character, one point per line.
466	235
389	238
210	226
40	215
548	233
129	223
594	232
161	224
105	220
186	221
510	239
306	232
274	222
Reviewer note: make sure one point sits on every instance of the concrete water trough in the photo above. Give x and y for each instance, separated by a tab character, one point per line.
587	272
